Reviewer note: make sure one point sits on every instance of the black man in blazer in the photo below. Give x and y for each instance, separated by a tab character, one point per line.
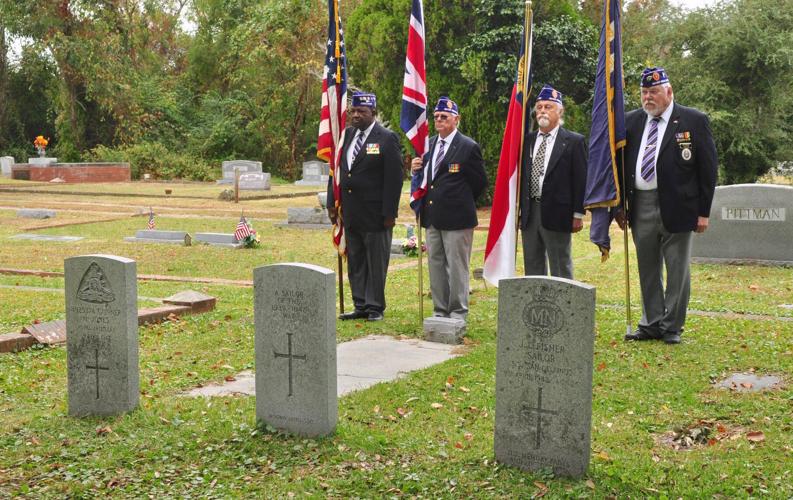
370	185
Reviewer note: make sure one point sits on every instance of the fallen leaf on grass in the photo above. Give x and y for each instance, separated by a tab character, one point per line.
755	436
376	409
604	456
468	436
601	366
458	445
465	389
747	385
229	378
101	431
401	411
436	406
590	484
645	365
754	288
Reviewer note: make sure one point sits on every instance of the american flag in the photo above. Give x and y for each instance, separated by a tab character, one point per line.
413	119
243	229
501	250
150	224
333	115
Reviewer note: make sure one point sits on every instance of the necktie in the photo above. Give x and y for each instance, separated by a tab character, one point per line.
648	160
358	146
538	167
439	158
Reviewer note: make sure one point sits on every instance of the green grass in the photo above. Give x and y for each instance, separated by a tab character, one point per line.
176	447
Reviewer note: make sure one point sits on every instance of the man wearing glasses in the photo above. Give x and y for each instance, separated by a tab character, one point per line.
456	178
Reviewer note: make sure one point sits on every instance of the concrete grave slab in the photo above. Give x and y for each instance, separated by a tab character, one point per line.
36	213
362	363
157	236
197	302
227	240
750	382
48	333
16	342
45	237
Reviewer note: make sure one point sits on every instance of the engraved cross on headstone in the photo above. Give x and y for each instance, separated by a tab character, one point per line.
540	412
290	357
96	368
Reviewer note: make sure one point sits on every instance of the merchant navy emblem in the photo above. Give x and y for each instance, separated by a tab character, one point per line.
542	316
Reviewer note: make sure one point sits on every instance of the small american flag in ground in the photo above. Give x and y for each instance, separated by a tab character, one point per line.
243	230
150	225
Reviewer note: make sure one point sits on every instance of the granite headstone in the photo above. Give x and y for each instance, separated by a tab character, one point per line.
244	166
295	320
544	374
748	222
256	181
5	165
315	173
102	335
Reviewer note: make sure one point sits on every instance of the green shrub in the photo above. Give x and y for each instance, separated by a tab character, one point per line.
155	159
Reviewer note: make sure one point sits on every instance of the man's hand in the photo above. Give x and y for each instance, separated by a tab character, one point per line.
332	214
702	224
415	165
620	218
388	222
578	224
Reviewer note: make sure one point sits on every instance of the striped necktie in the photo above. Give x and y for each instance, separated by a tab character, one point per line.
358	146
648	160
439	158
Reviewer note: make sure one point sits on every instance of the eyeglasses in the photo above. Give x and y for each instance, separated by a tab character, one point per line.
441	118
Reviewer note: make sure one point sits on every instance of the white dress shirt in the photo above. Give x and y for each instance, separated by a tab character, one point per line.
351	149
641	184
446	143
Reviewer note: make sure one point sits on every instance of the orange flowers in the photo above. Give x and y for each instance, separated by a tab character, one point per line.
41	142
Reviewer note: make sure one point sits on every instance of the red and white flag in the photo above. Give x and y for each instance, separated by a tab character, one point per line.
150	224
500	251
333	114
243	229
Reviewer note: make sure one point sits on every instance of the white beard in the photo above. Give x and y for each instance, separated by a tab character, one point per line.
543	121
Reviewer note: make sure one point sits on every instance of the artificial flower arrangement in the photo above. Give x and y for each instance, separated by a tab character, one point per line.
41	144
410	247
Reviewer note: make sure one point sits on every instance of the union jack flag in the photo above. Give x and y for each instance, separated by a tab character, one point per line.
150	224
413	119
333	114
243	229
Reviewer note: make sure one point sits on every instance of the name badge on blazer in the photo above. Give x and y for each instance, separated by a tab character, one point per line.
373	149
454	168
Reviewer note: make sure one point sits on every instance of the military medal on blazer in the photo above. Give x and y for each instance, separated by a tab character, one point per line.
684	142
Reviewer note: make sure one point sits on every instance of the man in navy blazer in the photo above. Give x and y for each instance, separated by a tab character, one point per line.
456	178
370	185
671	168
553	178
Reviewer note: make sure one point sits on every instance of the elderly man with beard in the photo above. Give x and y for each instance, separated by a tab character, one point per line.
671	168
553	179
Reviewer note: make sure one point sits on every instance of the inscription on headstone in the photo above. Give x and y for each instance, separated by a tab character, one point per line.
748	222
243	166
295	321
544	374
102	335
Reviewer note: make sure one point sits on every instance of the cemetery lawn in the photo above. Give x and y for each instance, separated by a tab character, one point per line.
429	434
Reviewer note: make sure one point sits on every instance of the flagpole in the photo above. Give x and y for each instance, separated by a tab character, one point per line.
341	282
628	321
527	23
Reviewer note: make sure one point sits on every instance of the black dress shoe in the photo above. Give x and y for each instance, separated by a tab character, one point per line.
375	316
356	314
671	338
643	334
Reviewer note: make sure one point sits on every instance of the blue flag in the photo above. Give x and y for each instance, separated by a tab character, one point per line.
608	130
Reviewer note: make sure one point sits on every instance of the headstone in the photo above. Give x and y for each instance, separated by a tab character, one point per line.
302	215
748	222
218	239
42	160
255	181
102	334
444	330
45	237
36	213
322	197
5	165
295	319
546	335
315	173
157	236
244	167
48	333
